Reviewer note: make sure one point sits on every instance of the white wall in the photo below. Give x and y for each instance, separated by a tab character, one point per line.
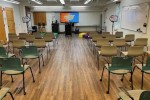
113	9
85	19
17	17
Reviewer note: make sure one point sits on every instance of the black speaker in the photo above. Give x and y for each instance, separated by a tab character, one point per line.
55	27
68	29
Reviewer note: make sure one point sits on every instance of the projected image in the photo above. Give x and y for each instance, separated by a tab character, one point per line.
72	17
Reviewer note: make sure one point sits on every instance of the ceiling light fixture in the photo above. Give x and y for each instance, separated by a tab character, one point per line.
37	1
12	1
87	1
62	2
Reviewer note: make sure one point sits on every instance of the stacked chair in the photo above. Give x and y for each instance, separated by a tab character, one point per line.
30	47
131	49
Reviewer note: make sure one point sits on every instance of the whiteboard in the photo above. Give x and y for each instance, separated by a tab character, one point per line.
135	17
89	18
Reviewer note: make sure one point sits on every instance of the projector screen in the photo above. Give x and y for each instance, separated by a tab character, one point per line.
72	17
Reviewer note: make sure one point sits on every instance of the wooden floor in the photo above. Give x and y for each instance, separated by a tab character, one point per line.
70	73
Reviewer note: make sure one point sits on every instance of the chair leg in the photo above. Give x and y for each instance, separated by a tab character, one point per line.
108	82
24	85
13	50
48	47
22	60
142	59
1	78
11	95
122	78
43	59
47	52
102	74
98	60
32	74
119	98
12	79
131	80
39	65
142	80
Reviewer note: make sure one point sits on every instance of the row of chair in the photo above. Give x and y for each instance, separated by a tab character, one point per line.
107	47
11	65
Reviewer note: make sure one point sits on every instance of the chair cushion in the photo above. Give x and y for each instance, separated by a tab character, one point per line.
125	53
146	70
10	55
3	92
134	93
15	72
148	52
119	71
30	56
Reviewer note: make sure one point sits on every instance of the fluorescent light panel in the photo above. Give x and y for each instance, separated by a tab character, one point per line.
116	0
87	1
12	1
62	2
38	2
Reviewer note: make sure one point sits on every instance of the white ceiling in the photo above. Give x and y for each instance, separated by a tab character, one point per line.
67	3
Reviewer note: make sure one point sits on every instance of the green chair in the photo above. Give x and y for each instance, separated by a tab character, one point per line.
145	68
56	38
31	52
3	93
55	35
12	66
1	45
48	38
4	54
119	66
133	94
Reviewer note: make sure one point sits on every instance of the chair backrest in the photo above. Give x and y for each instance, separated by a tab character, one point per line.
40	43
122	62
1	45
105	33
30	38
18	43
12	38
11	64
141	42
48	37
119	34
37	35
109	50
92	34
22	35
97	37
136	51
3	51
119	42
29	50
129	37
102	42
110	37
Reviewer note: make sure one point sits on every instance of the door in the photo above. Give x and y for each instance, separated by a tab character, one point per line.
10	20
2	27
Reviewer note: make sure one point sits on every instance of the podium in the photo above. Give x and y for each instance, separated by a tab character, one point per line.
68	29
55	28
